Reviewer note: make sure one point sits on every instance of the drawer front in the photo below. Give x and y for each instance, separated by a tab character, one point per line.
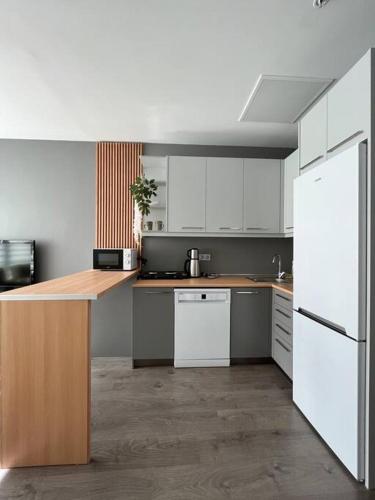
283	300
283	355
283	316
285	333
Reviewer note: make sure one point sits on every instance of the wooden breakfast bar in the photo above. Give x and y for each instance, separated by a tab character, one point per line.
45	368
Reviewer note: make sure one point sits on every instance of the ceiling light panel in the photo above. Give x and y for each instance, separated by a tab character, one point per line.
282	99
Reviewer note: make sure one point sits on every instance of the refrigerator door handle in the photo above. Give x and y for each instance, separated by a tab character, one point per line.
322	321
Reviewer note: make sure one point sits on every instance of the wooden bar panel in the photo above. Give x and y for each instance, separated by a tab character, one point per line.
86	285
117	166
45	382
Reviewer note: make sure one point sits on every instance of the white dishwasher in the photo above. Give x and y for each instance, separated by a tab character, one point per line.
201	327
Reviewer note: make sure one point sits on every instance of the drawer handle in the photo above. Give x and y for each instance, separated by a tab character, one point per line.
283	329
283	313
257	228
230	228
282	297
283	345
192	227
289	227
247	293
345	140
312	161
158	293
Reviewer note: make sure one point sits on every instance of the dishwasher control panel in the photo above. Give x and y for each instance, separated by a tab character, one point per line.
196	295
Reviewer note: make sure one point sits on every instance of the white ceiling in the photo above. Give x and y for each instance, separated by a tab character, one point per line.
177	71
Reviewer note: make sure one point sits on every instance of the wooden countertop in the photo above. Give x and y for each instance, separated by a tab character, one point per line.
220	282
85	285
92	284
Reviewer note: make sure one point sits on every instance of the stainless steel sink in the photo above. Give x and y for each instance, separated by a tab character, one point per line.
270	279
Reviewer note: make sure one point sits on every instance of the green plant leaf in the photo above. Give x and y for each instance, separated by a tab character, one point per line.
142	191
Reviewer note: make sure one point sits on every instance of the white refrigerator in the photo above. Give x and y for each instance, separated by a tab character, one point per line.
330	303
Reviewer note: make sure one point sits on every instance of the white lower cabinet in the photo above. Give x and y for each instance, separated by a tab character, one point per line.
224	195
262	195
282	331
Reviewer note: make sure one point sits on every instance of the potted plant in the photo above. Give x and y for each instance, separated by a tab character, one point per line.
142	191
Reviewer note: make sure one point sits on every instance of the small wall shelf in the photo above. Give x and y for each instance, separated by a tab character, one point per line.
156	167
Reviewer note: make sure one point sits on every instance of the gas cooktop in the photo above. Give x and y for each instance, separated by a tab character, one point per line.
163	275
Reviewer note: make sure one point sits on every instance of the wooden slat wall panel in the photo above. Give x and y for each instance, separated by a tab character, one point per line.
117	166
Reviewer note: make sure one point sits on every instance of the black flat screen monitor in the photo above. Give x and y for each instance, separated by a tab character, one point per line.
16	263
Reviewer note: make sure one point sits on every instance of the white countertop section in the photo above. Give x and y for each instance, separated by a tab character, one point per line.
85	285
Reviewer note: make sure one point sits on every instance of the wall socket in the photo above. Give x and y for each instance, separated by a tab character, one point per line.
205	256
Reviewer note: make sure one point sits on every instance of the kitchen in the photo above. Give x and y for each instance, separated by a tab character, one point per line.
217	344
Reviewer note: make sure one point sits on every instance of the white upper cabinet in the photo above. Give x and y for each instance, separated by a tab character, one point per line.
224	202
291	171
313	135
227	196
262	195
349	105
186	194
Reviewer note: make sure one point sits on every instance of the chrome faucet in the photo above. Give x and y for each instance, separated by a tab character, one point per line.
280	274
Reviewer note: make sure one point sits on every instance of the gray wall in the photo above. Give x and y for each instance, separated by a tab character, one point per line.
112	322
228	255
47	193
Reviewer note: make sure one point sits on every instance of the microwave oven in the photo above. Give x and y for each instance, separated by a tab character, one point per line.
115	259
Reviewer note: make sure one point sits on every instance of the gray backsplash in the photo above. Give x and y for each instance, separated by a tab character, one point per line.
228	255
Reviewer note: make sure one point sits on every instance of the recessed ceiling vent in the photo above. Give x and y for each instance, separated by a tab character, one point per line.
282	99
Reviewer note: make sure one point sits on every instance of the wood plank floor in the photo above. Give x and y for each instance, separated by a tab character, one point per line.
218	433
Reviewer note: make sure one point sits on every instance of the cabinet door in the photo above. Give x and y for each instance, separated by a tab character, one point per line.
291	171
313	135
224	203
349	105
250	334
262	191
153	324
186	194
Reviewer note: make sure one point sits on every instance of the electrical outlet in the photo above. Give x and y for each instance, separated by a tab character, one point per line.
205	256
